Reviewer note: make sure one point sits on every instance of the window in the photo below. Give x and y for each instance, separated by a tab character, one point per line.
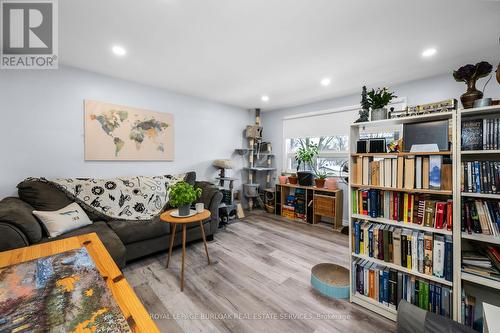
333	152
329	129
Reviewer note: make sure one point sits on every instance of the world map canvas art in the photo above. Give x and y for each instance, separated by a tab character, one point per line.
115	132
58	293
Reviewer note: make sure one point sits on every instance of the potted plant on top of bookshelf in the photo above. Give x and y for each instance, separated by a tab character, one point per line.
365	107
182	195
305	156
470	74
320	179
378	100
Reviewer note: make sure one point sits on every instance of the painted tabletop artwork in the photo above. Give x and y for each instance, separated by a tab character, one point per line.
59	293
116	132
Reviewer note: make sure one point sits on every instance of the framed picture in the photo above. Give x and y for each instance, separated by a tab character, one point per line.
121	133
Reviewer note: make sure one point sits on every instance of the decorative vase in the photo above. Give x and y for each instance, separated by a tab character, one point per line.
292	180
305	178
319	182
282	179
331	183
184	210
470	95
379	114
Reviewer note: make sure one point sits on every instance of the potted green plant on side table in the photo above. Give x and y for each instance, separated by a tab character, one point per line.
182	195
305	157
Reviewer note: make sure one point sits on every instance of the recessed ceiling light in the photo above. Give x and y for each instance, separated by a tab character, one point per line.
326	81
264	98
429	52
119	50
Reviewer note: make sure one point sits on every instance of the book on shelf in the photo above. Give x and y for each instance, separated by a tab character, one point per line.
410	172
480	177
482	261
414	250
435	167
468	309
388	287
404	208
481	216
481	134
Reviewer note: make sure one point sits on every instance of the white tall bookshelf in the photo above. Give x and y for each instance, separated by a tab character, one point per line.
383	125
490	287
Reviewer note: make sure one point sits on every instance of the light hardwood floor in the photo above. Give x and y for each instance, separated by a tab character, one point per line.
259	281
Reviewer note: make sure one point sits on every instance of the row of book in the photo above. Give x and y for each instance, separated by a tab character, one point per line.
481	134
388	287
468	305
417	251
412	172
483	261
480	177
481	216
403	207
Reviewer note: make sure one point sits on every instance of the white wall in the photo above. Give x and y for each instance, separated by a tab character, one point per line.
41	126
417	92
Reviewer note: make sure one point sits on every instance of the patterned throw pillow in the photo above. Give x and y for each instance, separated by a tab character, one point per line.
63	220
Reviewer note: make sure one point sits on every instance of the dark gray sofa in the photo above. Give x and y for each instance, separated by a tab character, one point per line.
124	240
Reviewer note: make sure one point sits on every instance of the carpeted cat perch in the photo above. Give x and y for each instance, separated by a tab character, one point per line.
330	280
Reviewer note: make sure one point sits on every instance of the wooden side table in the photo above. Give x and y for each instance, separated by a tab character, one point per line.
174	221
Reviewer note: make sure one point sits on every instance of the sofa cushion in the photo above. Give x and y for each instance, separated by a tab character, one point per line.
136	231
42	195
110	240
66	219
190	178
19	214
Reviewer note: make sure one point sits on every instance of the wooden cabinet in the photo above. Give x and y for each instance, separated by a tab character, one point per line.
311	203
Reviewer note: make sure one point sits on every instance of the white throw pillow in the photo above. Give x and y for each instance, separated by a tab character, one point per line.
63	220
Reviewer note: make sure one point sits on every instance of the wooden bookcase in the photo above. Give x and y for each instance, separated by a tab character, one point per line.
481	286
318	202
354	134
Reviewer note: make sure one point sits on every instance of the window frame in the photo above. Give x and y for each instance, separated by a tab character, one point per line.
289	156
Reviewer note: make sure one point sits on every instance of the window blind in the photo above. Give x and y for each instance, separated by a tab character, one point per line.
321	124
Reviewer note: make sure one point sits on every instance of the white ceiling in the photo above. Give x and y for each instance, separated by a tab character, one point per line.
235	51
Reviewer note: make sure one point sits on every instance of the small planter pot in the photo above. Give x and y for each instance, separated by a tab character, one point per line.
379	114
282	179
184	210
292	180
331	183
305	178
320	182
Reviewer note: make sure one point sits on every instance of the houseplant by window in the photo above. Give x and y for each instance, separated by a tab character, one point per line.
320	178
182	195
378	100
305	156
